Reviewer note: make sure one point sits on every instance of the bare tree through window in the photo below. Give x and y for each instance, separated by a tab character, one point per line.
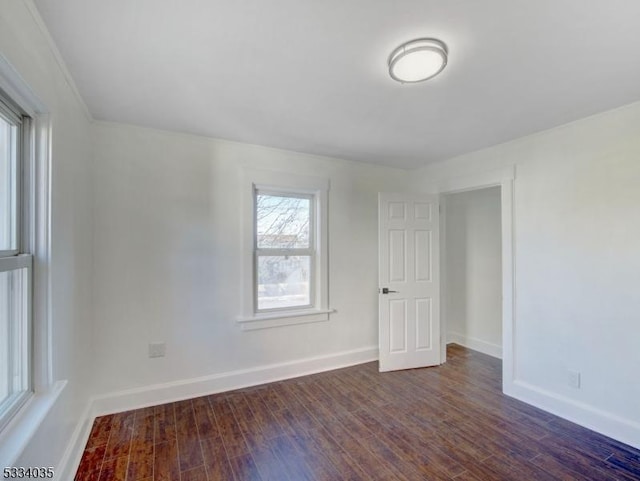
284	246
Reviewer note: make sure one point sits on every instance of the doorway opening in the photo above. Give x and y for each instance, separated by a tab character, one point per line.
504	179
471	269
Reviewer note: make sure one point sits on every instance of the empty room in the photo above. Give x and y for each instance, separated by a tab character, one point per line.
319	240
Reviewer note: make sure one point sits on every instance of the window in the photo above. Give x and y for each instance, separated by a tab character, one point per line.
27	389
285	251
285	276
15	264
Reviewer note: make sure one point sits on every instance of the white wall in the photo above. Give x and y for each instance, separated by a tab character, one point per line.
577	265
26	47
473	289
168	257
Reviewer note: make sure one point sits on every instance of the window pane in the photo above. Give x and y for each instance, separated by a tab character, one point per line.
14	337
283	281
282	222
8	185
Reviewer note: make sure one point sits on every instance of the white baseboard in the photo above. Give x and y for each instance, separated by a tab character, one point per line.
493	350
616	427
201	386
68	465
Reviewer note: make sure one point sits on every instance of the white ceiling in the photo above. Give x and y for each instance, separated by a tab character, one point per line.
311	75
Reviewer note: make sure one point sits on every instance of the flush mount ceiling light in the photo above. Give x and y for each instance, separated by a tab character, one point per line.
418	60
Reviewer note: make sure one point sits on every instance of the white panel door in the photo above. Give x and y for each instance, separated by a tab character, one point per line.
409	281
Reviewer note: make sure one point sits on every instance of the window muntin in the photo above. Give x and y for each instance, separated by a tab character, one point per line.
15	267
284	251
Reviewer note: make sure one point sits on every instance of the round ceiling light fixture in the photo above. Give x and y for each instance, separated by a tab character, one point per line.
418	60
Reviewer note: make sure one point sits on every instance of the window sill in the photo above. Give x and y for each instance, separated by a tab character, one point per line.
16	435
288	318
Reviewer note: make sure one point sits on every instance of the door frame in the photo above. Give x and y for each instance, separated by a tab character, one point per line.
503	178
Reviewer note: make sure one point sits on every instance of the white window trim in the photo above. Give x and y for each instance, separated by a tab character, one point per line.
16	435
284	183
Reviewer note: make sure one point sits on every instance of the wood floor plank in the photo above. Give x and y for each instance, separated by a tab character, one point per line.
556	468
195	474
581	460
355	446
271	399
430	462
400	466
120	437
189	450
114	469
204	418
436	438
292	460
516	469
216	461
268	422
450	422
269	464
91	461
322	441
467	476
249	425
629	465
484	472
165	423
142	446
245	468
166	465
88	473
141	462
100	431
318	461
230	431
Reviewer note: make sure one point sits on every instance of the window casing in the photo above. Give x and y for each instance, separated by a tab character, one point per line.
16	263
285	273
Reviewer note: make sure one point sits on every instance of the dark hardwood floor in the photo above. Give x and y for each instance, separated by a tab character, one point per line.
443	423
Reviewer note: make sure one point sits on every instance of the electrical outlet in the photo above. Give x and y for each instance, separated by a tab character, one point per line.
157	349
574	379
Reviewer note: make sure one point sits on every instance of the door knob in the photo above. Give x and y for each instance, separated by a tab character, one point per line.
385	290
